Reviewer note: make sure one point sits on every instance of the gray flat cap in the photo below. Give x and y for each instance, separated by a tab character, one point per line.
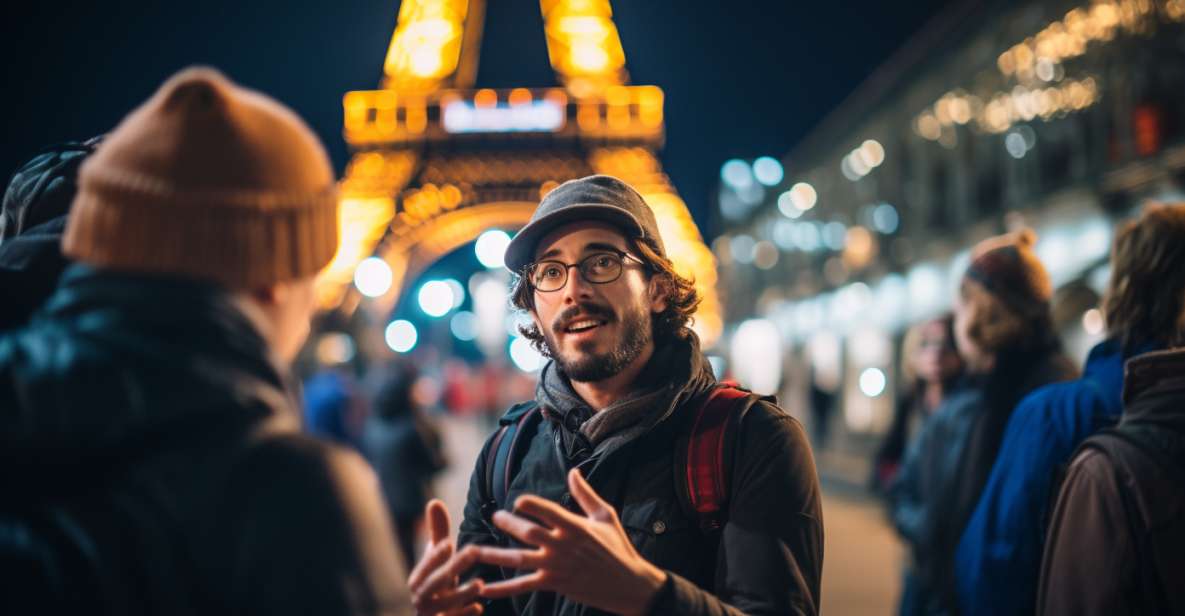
596	197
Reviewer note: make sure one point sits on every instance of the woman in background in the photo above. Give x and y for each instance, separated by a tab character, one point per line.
931	366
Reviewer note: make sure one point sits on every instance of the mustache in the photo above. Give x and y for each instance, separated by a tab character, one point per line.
581	310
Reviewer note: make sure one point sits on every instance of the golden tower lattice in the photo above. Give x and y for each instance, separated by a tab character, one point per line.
435	162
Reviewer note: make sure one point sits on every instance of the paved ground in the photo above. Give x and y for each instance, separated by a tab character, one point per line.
861	568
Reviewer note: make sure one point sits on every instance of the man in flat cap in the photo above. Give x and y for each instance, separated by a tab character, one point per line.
634	482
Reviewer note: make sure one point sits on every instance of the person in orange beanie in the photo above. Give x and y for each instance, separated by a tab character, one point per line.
151	445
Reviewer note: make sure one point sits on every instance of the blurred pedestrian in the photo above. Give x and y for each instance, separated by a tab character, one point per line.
931	369
607	493
822	396
1004	332
1116	540
406	449
1117	536
999	555
32	219
150	453
334	408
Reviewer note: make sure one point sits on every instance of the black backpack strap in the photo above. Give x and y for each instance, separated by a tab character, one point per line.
503	455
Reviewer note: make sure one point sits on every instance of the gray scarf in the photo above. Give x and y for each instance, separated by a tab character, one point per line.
676	373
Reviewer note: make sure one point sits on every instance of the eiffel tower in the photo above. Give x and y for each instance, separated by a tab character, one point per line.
435	162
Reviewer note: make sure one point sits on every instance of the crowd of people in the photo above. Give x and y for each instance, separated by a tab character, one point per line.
1028	486
158	456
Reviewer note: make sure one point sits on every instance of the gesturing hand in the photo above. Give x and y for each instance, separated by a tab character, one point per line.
587	559
434	581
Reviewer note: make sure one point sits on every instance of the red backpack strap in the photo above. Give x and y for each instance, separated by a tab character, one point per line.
705	460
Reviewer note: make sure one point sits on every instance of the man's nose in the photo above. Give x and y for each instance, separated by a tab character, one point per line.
578	289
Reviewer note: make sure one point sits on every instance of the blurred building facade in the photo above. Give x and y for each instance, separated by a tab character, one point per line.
1063	116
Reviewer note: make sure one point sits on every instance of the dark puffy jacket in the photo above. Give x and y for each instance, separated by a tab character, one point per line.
150	463
1117	537
948	463
768	557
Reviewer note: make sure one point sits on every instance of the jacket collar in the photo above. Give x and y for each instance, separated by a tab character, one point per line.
1105	367
1155	373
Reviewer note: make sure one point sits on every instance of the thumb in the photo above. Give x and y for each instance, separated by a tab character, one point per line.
439	524
588	499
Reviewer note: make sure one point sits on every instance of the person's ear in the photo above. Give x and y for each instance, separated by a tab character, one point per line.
657	292
535	319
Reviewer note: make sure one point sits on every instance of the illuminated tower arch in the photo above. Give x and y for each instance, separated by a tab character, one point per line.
436	162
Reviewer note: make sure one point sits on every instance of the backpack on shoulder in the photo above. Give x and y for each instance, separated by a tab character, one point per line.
1136	449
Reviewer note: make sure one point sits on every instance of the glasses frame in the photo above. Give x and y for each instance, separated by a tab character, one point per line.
528	271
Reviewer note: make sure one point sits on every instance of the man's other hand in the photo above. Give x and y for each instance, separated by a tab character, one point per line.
435	580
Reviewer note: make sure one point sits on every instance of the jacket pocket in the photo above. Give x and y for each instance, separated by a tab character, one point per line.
664	536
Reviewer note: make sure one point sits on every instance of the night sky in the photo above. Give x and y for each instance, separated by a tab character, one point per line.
742	79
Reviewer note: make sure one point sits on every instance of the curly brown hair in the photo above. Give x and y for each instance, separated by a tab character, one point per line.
673	322
1146	295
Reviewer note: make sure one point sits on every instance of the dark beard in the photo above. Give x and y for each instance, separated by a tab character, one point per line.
590	368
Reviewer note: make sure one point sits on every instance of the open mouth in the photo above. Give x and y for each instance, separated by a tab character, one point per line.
583	325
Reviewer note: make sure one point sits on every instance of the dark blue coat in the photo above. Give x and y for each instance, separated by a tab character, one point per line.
999	555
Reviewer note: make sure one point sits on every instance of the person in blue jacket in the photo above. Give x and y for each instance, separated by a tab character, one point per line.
998	559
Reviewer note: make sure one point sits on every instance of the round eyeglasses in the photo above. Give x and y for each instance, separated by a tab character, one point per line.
598	268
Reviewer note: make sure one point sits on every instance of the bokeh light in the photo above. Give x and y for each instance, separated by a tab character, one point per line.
436	298
401	336
872	382
373	277
491	248
767	170
463	325
524	356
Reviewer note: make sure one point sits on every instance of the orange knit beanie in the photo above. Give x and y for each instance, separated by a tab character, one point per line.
207	180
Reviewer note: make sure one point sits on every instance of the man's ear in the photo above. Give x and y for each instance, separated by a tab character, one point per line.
535	319
658	292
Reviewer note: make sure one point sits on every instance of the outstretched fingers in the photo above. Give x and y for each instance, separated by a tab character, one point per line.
547	512
438	521
446	574
587	497
452	601
513	558
515	586
523	529
436	556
